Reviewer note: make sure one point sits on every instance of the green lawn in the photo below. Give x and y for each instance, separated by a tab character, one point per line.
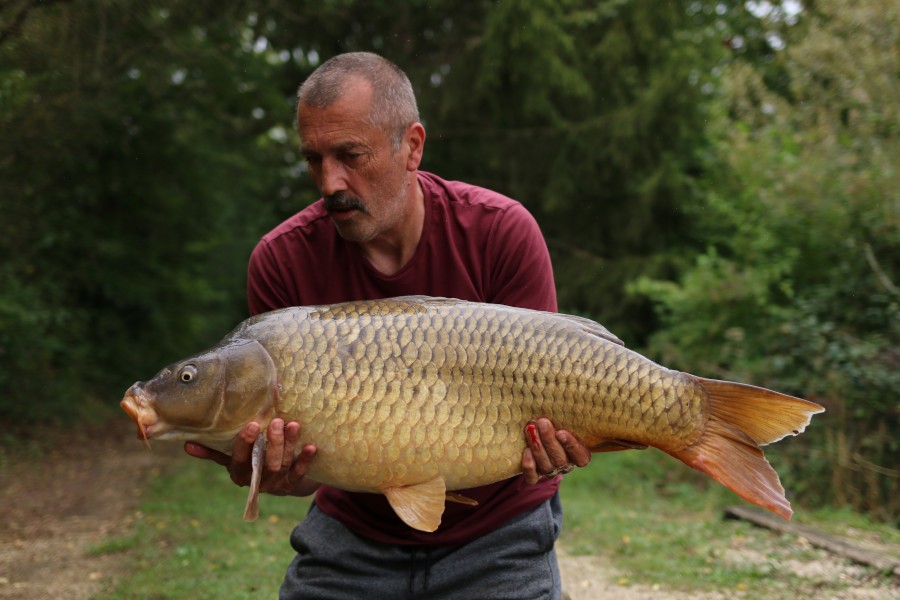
646	514
191	542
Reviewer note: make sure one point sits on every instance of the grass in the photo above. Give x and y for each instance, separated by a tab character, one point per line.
651	518
660	523
191	542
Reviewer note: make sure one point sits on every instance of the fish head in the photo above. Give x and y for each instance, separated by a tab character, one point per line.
207	397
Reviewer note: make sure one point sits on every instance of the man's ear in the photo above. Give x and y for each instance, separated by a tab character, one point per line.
414	140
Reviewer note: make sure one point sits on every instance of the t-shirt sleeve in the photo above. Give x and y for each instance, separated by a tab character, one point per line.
265	288
519	263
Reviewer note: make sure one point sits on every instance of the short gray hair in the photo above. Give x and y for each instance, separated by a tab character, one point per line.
393	100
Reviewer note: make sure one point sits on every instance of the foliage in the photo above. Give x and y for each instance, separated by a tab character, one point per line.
130	194
592	114
147	145
796	289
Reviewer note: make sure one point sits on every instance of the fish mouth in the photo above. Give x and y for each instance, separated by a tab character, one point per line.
137	406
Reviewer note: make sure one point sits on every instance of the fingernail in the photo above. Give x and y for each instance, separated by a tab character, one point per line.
531	428
562	437
277	427
254	428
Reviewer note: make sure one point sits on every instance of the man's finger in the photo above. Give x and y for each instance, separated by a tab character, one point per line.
576	452
529	467
301	463
243	444
274	445
556	454
535	442
291	433
240	466
199	451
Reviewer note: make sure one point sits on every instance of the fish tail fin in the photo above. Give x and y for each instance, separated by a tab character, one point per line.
743	418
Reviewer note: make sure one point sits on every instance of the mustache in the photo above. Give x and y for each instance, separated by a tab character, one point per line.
342	201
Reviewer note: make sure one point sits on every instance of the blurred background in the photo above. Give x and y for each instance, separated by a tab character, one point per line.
717	182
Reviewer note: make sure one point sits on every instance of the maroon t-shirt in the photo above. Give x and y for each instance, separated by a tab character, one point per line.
476	245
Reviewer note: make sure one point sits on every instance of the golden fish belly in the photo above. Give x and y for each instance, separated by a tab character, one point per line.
396	393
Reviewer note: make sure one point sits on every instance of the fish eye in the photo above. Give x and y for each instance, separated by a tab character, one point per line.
187	374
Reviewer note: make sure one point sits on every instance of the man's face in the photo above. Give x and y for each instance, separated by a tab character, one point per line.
363	179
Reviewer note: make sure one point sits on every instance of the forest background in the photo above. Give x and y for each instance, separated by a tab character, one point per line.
717	183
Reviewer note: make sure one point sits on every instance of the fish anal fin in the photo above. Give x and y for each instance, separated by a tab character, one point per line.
615	446
734	459
459	498
251	509
421	505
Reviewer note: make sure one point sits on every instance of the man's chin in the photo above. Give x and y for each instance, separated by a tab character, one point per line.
343	215
353	230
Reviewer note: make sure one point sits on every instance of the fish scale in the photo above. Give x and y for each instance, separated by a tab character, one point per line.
412	397
497	358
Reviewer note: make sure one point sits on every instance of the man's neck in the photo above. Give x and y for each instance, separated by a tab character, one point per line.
390	251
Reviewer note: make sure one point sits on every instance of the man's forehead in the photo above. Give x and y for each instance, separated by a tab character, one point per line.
344	123
316	146
333	132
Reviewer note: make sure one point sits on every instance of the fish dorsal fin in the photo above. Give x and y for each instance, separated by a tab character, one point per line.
421	505
251	509
594	328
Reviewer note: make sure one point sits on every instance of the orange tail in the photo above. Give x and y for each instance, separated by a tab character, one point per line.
743	418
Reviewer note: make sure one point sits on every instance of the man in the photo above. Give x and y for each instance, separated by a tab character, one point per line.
383	228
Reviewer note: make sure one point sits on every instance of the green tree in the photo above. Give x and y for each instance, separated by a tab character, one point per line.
592	114
798	287
136	143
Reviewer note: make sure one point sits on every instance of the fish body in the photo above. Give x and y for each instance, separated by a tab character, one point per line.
415	397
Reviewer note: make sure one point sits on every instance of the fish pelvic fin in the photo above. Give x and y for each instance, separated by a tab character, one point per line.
743	418
460	499
251	509
605	445
421	505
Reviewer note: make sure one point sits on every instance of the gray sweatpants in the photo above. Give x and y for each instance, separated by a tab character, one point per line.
517	561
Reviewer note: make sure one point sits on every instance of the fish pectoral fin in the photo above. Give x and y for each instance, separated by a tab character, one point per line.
616	446
251	509
459	498
421	505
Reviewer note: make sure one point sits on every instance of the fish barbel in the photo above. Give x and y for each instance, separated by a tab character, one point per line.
415	397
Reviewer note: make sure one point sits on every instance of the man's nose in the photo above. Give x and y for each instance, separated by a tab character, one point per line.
333	177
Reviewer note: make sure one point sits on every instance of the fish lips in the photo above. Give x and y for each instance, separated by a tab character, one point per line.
137	405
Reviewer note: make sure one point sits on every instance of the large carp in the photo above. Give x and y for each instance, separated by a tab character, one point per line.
415	397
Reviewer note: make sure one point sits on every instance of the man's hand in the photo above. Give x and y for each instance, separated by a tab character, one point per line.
551	452
282	474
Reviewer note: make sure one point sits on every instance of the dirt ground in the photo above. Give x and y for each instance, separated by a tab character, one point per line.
59	504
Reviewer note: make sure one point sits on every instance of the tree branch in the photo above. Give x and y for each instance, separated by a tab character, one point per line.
882	276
